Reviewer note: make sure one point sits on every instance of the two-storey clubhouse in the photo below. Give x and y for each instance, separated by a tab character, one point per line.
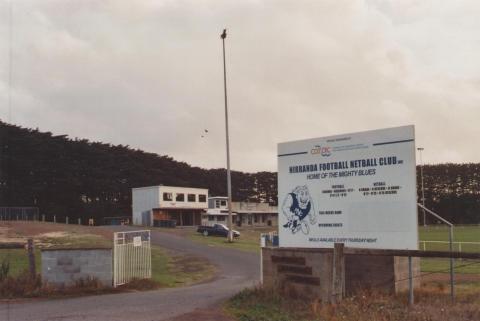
184	205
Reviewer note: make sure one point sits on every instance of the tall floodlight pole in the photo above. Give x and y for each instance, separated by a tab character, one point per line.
420	149
229	177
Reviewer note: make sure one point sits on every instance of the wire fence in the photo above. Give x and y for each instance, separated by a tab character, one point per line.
28	214
19	214
444	246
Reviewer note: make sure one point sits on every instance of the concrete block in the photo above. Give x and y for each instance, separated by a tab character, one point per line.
300	272
81	260
64	260
70	269
64	267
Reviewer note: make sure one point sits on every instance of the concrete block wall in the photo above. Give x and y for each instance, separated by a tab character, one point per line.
309	272
62	267
300	273
383	273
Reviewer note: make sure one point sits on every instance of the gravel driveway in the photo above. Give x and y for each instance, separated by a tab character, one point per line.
237	270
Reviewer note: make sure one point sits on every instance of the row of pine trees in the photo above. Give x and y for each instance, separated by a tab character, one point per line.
82	179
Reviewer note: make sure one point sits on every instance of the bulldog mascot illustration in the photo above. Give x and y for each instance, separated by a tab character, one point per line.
296	206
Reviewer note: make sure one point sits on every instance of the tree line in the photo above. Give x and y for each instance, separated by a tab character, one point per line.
452	191
83	179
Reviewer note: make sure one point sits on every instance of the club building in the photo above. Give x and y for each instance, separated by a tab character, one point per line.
189	206
184	205
243	213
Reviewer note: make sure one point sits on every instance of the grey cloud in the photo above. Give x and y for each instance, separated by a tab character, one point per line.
149	74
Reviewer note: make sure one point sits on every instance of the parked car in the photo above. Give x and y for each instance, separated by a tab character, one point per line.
216	229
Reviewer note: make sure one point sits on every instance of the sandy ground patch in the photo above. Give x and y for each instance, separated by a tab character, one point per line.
43	229
6	236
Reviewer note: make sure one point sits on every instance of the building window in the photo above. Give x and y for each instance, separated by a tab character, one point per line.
217	204
223	203
202	198
221	218
192	198
211	218
255	218
263	218
180	198
167	196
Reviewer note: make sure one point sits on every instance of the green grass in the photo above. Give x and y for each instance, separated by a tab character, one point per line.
441	265
263	305
462	233
168	269
248	241
179	270
18	260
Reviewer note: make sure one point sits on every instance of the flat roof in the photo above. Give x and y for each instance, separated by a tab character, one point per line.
180	208
256	212
167	186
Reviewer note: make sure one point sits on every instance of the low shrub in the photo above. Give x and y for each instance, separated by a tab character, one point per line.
26	286
260	304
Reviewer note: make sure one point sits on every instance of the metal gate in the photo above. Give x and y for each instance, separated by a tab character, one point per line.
132	258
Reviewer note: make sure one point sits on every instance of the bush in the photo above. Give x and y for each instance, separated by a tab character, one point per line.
4	269
22	285
260	304
26	286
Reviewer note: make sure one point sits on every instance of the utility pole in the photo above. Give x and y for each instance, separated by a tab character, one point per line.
420	149
229	177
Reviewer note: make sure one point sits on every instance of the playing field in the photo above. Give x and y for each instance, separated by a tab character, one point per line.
466	238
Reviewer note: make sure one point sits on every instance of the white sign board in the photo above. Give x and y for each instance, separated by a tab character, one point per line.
137	241
358	189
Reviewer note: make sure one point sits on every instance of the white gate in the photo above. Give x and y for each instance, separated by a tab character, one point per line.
132	258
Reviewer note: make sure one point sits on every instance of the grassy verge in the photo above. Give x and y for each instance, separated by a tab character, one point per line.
168	269
248	241
261	305
442	265
461	233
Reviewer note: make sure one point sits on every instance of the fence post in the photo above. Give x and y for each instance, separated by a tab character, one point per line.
452	275
31	258
338	285
54	219
411	299
79	221
262	245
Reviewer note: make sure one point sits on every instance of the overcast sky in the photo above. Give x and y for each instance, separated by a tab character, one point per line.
149	73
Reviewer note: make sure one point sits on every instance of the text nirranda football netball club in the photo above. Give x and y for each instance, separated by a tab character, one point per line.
359	163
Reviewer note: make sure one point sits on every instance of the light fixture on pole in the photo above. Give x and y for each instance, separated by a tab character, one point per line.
420	149
229	177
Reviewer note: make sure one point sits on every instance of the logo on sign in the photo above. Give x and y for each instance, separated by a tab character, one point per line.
296	206
324	151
